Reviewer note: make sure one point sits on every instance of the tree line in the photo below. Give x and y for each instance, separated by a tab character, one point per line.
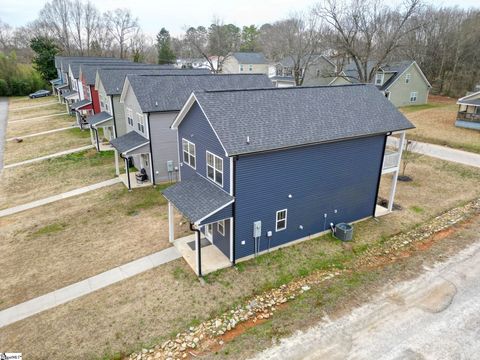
363	33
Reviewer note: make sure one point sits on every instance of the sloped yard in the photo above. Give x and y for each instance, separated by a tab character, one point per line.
151	307
34	111
22	128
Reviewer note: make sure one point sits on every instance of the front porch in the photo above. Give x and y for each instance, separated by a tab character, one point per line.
468	116
130	180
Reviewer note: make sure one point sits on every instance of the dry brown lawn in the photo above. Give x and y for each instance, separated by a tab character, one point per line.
37	146
22	128
436	124
54	176
152	306
95	232
35	111
15	102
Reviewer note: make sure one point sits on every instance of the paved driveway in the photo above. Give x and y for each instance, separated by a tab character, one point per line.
3	127
436	316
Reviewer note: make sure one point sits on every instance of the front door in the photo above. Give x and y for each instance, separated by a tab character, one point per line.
208	232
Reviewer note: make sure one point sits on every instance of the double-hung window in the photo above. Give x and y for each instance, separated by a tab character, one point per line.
215	168
379	78
408	77
189	153
241	67
413	96
221	227
140	123
130	117
250	67
281	223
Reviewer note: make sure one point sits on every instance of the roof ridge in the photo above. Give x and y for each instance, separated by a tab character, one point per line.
286	88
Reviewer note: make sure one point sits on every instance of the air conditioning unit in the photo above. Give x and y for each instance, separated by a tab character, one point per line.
343	231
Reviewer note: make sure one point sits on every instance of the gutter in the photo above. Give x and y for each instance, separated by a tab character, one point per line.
151	151
113	114
198	247
128	172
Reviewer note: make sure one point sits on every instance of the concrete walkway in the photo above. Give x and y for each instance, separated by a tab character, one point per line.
87	286
3	127
37	118
42	133
443	152
51	156
65	195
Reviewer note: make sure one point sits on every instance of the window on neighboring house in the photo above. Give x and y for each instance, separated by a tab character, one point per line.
221	227
140	123
250	67
318	73
188	153
378	78
129	117
413	96
241	67
281	223
215	168
287	71
408	77
279	71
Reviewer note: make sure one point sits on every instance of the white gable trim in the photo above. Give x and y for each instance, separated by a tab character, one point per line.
404	71
185	109
213	212
469	96
126	85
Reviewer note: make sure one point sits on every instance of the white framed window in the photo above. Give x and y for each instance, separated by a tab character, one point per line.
241	67
129	117
221	227
413	96
250	67
379	78
215	168
408	77
189	153
281	221
140	123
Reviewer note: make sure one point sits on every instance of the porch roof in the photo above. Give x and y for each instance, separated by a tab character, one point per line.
79	105
129	142
60	86
472	102
197	198
69	94
56	81
100	118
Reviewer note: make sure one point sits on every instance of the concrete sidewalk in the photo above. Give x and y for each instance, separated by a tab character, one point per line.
443	152
37	118
87	286
42	133
54	198
51	156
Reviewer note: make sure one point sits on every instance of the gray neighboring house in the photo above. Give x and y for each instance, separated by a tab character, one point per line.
320	71
402	82
109	84
151	103
246	63
468	115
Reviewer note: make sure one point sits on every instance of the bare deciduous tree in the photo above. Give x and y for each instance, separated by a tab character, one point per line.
122	26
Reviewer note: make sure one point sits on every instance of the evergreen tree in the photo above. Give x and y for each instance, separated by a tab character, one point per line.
44	59
165	52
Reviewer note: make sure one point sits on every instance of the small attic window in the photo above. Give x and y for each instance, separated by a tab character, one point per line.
408	77
379	78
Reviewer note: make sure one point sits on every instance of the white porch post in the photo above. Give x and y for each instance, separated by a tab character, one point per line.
171	229
92	137
393	189
117	167
231	239
198	258
66	105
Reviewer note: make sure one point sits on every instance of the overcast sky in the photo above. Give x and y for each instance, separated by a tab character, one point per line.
176	15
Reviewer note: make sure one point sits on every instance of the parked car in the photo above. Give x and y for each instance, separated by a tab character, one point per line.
39	93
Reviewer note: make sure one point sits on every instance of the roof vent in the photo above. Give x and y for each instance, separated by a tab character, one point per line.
118	89
156	103
248	140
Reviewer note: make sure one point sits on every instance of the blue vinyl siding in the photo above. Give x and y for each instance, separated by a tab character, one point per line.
196	129
340	176
225	213
222	242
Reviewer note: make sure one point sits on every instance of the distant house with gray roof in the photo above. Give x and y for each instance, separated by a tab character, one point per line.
264	168
151	103
402	82
246	63
468	115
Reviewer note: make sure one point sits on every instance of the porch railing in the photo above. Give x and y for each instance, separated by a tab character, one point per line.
468	116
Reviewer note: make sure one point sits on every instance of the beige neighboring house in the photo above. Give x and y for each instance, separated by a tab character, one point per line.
468	115
245	63
320	71
402	82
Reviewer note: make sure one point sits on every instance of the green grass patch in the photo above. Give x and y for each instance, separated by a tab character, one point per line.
49	229
78	133
417	209
413	108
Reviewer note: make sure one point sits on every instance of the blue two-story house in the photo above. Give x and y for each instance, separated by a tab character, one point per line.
263	168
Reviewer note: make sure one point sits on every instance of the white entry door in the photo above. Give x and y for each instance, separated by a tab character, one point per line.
208	232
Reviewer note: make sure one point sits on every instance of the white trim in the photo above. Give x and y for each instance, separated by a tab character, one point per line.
382	78
408	67
408	77
468	96
214	167
231	176
141	123
223	227
276	220
474	105
126	84
214	212
231	239
181	115
188	151
209	233
135	148
101	122
411	96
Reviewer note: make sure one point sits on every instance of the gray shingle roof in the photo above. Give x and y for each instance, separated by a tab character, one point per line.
169	93
113	79
197	197
315	58
99	118
68	93
285	117
89	70
128	142
250	57
80	104
75	64
65	61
